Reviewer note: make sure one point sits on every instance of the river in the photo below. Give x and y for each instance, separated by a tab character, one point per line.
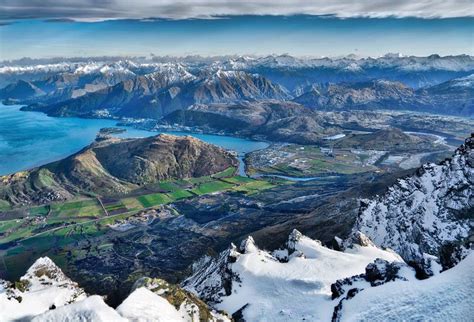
30	139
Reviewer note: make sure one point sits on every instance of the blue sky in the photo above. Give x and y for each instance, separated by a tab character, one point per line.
242	34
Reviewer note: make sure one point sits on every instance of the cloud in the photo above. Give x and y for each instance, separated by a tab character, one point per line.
97	10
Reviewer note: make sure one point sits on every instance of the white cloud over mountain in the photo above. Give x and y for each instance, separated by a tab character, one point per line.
96	10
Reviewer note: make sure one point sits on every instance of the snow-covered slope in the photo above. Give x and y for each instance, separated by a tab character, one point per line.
91	309
44	293
187	305
444	297
43	287
353	63
426	212
144	305
289	284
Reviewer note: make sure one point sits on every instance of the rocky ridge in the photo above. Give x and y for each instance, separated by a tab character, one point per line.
44	293
426	217
244	280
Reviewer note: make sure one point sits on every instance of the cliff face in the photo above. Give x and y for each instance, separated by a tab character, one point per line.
116	166
427	214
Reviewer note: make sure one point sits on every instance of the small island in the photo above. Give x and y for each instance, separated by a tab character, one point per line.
107	132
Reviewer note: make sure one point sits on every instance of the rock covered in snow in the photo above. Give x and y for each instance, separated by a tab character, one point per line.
144	305
44	293
292	283
42	288
424	213
189	306
92	308
377	273
212	277
443	297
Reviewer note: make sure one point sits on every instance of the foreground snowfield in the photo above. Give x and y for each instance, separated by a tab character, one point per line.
444	297
91	309
144	305
44	293
46	286
289	284
272	289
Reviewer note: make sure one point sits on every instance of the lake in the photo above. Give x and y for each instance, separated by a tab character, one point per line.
30	139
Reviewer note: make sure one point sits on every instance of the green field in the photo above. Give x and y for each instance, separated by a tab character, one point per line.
154	199
70	222
226	173
168	186
39	211
4	205
115	206
9	224
88	207
132	204
254	187
238	180
179	194
210	187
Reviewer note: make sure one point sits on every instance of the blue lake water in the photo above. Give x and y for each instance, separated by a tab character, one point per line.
30	139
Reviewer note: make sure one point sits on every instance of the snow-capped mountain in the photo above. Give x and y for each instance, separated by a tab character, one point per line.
231	86
293	72
162	92
171	73
425	217
354	63
374	94
414	71
43	287
293	283
187	306
389	82
44	293
92	308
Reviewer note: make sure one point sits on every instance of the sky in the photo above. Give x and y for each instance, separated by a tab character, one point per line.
46	28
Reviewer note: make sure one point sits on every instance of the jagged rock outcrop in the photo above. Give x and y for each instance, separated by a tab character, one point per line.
43	287
213	277
423	215
291	283
377	273
44	293
187	304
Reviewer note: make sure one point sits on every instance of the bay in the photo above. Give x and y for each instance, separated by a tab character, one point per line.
30	139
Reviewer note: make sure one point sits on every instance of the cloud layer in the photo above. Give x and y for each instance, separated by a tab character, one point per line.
96	10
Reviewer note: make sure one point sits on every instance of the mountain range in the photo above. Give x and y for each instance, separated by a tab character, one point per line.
153	90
